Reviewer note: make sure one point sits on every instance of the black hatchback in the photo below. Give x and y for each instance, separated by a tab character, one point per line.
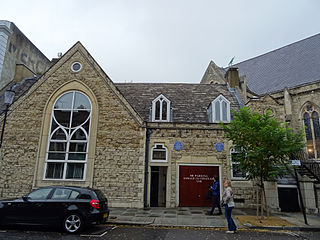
71	207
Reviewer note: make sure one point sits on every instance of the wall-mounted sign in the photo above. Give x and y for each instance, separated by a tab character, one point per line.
177	146
295	162
219	147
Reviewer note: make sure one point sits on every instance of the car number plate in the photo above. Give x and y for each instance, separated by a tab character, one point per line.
105	215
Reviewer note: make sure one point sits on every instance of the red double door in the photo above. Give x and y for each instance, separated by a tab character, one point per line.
193	185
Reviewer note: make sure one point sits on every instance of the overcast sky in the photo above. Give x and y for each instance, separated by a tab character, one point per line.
163	40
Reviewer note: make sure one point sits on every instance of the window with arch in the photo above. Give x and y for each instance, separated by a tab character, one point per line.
67	149
161	109
312	129
159	153
220	109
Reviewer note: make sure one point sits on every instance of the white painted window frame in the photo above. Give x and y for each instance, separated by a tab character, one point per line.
232	150
154	147
68	141
220	99
161	105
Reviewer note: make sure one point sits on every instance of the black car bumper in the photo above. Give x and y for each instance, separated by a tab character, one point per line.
98	218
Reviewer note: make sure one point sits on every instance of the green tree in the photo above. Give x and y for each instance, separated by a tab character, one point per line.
264	146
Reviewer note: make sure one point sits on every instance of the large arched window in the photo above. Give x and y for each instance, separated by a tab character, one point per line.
312	129
67	149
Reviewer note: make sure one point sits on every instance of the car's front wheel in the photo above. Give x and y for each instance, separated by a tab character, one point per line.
72	223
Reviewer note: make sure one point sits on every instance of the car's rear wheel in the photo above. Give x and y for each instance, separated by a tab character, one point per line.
72	223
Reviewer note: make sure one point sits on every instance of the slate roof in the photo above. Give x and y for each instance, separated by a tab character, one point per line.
290	66
19	88
189	102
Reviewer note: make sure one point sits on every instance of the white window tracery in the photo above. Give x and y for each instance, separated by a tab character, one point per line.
67	149
220	109
161	109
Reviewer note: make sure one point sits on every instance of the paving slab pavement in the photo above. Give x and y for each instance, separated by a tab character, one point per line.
183	217
196	217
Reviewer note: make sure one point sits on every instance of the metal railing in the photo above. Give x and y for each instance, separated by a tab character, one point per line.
310	165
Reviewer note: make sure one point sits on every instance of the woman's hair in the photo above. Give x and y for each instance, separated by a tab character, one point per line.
228	182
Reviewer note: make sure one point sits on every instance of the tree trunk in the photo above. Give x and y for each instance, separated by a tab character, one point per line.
261	201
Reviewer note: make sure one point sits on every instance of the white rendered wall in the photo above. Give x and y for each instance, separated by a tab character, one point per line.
4	35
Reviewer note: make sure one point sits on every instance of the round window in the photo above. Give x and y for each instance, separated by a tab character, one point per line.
76	66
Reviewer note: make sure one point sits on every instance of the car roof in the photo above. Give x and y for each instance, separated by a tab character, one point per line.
71	187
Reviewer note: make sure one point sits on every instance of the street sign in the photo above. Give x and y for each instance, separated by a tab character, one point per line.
295	162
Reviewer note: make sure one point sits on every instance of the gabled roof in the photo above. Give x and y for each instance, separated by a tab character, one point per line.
290	66
189	102
213	74
19	88
27	87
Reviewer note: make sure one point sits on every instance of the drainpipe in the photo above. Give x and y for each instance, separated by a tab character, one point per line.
146	170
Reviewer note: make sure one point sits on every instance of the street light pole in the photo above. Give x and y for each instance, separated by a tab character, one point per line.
4	123
8	99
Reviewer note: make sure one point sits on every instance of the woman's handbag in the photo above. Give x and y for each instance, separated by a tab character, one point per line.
231	204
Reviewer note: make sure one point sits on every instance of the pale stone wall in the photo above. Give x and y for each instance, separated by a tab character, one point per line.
307	191
198	149
263	104
115	163
272	198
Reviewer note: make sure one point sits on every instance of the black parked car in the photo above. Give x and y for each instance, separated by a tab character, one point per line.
70	207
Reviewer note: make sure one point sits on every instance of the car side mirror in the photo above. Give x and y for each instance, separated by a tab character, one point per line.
25	198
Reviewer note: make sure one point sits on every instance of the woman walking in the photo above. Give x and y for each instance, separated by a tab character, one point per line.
228	202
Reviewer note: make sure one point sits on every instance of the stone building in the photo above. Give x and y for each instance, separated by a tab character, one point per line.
286	81
142	144
19	57
146	144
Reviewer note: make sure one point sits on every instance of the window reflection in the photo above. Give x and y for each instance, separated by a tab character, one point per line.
68	140
161	109
64	102
312	130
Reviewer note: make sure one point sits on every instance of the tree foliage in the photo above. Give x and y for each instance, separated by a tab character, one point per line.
264	144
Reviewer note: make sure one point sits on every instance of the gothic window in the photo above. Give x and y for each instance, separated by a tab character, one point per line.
159	153
161	109
312	130
67	149
220	110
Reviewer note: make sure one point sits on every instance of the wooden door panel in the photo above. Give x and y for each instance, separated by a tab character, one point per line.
193	185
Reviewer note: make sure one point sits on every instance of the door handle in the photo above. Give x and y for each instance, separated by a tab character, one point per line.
198	195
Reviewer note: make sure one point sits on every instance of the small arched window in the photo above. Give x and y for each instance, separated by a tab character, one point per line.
161	109
312	130
68	141
220	109
159	153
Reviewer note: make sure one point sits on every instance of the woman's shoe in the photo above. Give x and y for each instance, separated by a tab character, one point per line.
229	231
